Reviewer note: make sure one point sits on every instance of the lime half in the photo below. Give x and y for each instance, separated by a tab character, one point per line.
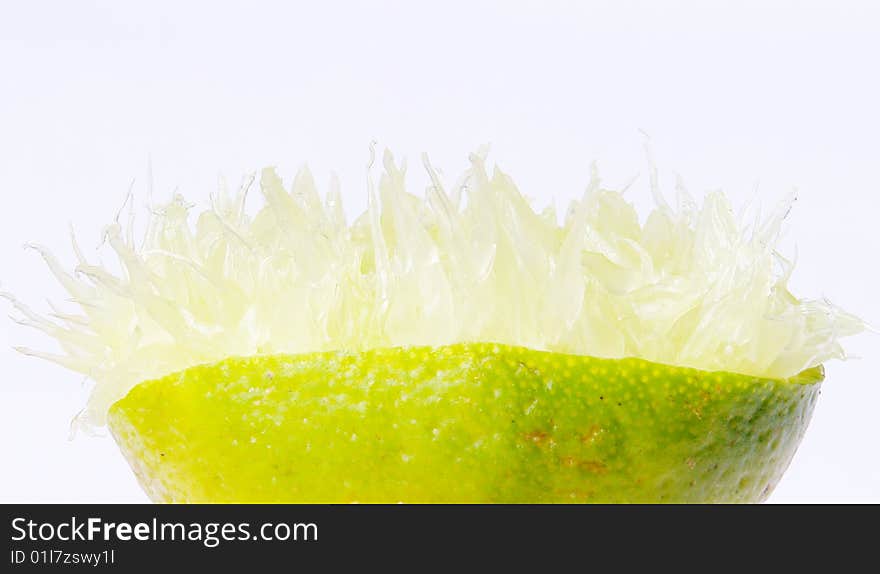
463	346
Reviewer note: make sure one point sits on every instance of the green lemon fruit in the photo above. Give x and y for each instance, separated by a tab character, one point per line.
460	423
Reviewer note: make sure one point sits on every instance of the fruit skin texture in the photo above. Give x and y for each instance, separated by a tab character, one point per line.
460	423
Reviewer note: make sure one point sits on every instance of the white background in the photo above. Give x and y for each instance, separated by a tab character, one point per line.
734	94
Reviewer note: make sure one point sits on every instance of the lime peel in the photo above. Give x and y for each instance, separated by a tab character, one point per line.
460	423
692	286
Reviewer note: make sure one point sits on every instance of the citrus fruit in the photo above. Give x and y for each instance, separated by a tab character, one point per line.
461	347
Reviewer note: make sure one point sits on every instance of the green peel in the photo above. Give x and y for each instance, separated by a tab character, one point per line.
460	423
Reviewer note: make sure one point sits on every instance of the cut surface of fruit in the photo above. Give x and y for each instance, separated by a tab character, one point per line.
475	422
690	285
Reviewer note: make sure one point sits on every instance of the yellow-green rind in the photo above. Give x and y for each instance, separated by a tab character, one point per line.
460	423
